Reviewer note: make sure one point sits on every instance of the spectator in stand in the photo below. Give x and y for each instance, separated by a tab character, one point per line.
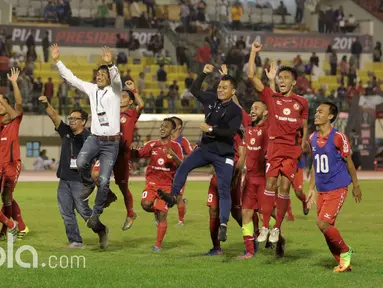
150	7
102	14
338	18
299	11
215	43
159	107
62	94
29	67
240	43
360	89
203	54
282	11
49	89
314	59
201	8
60	10
50	12
133	43
37	91
181	55
120	21
120	42
31	54
156	44
341	93
377	53
78	95
22	54
135	13
173	96
13	61
46	44
343	67
8	46
352	76
356	51
298	65
185	16
236	14
141	83
30	42
333	63
321	19
224	11
329	19
189	81
162	78
122	58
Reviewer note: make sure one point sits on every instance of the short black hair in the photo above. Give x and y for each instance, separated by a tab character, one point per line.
178	119
289	69
174	125
131	94
84	114
231	79
333	110
104	67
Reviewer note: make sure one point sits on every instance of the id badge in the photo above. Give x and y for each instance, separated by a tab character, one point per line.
103	119
73	164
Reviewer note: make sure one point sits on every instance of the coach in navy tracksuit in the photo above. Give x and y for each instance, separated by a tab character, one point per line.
222	120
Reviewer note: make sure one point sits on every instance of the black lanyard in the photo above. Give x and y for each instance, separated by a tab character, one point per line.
71	139
100	100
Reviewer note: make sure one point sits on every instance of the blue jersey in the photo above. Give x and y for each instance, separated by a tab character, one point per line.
330	168
302	162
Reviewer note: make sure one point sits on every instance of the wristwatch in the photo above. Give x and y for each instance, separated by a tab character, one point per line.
210	129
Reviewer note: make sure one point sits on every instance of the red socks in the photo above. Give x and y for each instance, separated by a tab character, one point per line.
214	226
161	231
6	221
249	244
302	197
16	215
7	210
333	236
282	206
181	210
268	201
333	250
128	199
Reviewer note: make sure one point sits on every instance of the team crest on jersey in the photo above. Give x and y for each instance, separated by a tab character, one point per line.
296	106
287	111
123	119
169	156
160	161
252	141
259	133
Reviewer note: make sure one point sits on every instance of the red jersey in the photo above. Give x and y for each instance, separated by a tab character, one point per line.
187	149
238	142
286	115
128	120
9	140
256	148
162	167
340	141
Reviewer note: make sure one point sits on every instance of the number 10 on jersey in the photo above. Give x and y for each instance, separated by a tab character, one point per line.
321	163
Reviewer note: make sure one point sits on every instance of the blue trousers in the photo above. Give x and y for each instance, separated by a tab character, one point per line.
106	152
223	168
69	200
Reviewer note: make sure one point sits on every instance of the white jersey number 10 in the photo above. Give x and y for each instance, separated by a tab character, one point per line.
322	163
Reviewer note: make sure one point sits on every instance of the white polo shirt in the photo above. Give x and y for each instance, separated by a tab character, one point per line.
104	103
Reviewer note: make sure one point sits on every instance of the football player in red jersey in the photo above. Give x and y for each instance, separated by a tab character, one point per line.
10	161
165	155
128	120
187	149
236	194
288	113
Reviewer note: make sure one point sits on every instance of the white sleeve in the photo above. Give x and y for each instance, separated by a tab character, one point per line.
115	80
81	85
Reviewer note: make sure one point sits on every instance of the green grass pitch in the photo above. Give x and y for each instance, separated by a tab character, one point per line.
129	261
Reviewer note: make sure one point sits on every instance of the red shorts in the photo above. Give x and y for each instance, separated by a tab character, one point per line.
213	199
298	180
150	194
9	174
329	204
282	159
121	168
253	189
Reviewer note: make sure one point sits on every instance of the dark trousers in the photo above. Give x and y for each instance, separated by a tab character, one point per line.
150	8
46	54
299	15
69	200
334	67
106	152
356	159
63	106
223	168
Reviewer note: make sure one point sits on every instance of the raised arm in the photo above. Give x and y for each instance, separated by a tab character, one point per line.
115	78
67	74
12	113
202	96
271	74
50	111
255	81
139	101
13	77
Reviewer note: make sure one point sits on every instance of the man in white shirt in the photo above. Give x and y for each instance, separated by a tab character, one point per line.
103	144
